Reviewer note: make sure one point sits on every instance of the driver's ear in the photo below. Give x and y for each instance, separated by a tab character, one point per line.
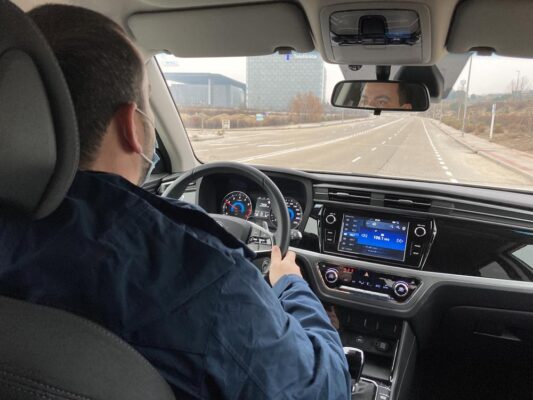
127	130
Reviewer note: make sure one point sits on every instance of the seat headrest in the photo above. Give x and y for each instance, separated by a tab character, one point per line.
39	144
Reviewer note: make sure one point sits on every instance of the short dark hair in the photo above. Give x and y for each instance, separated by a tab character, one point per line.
102	68
404	93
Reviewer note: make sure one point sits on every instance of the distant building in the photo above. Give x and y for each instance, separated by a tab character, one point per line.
274	80
207	90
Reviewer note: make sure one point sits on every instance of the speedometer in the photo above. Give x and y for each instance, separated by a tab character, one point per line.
295	212
237	204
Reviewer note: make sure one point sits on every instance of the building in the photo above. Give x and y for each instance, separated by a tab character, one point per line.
206	90
274	80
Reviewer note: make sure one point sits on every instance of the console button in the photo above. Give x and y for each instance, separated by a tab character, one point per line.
331	276
382	346
401	289
330	236
420	231
331	219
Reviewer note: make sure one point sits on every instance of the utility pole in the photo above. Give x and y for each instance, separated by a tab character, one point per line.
492	121
466	96
517	87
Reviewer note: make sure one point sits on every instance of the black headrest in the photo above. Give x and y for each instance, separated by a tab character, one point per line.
39	144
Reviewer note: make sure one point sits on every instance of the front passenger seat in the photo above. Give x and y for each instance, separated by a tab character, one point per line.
48	354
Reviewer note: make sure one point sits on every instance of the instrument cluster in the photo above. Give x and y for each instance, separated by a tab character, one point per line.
241	205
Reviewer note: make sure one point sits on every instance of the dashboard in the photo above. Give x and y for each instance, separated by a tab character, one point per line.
383	238
393	260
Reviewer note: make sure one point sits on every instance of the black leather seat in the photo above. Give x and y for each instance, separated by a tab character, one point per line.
48	354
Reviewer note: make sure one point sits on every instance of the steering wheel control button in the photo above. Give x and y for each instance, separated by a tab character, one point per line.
331	219
331	276
401	290
420	231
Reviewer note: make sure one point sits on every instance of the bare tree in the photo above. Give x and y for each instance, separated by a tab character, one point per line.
307	107
519	86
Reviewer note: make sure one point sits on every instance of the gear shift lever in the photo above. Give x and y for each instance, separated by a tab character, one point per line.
361	389
356	360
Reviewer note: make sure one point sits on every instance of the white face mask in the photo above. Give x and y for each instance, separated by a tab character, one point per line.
155	158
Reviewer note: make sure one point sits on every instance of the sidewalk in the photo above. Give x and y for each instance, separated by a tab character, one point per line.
515	160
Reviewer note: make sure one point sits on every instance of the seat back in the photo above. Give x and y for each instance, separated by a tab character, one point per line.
47	354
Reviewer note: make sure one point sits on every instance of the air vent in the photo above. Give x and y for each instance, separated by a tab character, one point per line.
349	196
407	202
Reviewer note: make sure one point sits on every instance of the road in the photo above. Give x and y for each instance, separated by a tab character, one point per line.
395	146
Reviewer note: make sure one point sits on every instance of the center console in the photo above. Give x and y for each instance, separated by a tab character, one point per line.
387	238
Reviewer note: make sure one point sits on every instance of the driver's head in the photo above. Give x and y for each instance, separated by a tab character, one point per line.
384	95
107	81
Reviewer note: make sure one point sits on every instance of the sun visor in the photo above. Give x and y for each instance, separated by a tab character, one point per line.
504	26
250	30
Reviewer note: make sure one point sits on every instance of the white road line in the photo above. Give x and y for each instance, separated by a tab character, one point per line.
390	137
383	142
356	159
437	154
313	146
275	145
374	148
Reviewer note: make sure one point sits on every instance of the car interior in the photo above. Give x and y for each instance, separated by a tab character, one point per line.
444	313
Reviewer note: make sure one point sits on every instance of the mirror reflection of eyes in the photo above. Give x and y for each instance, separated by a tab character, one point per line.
381	95
382	101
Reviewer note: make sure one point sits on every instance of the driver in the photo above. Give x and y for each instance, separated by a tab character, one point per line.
160	273
385	96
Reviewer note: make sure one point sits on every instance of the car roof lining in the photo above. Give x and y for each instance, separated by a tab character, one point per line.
503	26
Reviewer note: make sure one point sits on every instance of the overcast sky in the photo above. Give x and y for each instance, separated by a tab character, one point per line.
489	74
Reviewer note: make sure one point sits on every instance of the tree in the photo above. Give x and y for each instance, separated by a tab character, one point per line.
307	107
519	86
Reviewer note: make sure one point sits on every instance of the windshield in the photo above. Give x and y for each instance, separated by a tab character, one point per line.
274	110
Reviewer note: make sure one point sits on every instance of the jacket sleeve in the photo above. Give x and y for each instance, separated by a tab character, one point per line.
273	343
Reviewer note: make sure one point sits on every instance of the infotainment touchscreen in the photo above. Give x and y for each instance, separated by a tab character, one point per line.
374	237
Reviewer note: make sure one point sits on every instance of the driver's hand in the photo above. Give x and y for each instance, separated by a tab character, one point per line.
280	267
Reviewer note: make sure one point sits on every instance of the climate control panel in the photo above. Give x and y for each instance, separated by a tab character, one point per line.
359	280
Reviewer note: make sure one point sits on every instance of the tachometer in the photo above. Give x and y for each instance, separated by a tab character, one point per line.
237	204
295	212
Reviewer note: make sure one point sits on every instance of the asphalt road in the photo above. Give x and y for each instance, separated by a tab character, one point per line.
396	146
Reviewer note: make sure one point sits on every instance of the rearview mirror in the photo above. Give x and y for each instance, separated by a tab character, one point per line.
381	95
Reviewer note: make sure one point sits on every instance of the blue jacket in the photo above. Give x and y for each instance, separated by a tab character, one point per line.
172	283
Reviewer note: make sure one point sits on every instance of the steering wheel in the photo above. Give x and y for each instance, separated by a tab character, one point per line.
246	231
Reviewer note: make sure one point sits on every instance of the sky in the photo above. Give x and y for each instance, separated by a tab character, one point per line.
491	74
494	74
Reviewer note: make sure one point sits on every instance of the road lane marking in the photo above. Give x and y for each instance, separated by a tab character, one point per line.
275	145
374	148
356	159
437	154
390	137
315	145
383	142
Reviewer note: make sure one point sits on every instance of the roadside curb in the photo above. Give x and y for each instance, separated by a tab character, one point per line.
484	154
